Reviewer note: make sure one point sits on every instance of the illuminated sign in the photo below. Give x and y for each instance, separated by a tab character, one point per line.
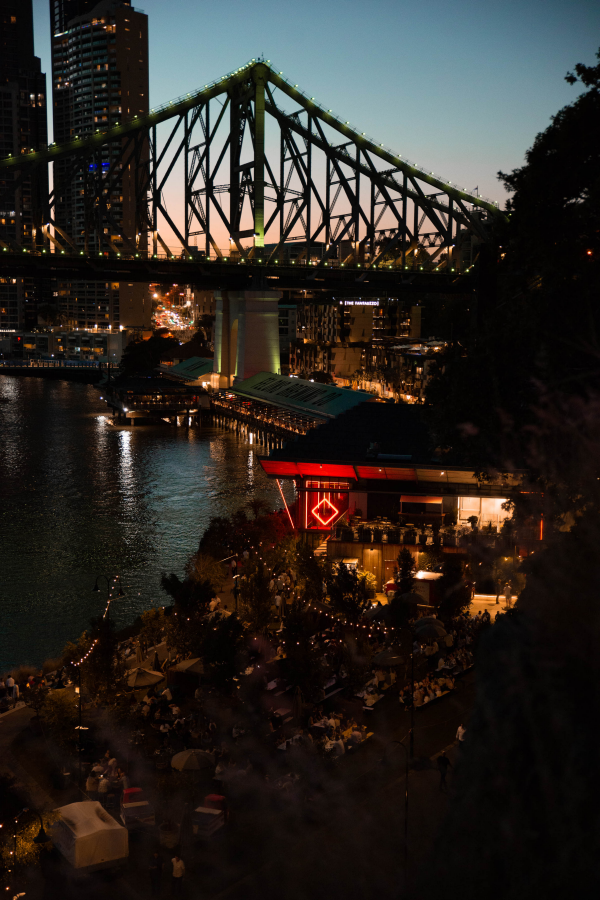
325	508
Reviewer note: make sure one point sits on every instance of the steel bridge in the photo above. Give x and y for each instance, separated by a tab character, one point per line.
304	199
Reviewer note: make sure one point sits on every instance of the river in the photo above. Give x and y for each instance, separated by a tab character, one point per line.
80	498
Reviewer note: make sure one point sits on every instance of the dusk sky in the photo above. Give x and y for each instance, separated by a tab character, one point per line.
459	87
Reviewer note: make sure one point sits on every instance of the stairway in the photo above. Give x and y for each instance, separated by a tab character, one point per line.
321	550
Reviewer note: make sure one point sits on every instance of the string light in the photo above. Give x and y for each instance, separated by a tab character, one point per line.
83	658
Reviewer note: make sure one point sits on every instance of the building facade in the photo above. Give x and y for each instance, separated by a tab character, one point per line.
99	79
23	126
57	344
368	484
336	337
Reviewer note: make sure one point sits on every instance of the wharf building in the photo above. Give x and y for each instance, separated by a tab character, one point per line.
368	483
23	126
99	79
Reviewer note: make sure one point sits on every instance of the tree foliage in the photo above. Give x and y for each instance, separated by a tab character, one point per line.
303	664
255	597
222	644
347	592
544	330
142	357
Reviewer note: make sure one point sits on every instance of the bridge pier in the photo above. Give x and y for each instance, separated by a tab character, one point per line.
246	335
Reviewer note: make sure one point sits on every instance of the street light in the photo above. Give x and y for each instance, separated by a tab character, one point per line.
41	837
108	579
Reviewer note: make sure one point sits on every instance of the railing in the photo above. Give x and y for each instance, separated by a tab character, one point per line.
55	364
182	255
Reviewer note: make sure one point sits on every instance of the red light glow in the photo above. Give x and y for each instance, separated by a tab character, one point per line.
325	508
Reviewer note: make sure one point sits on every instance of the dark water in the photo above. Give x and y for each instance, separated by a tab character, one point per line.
79	497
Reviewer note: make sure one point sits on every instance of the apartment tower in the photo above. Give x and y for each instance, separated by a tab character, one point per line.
23	203
99	79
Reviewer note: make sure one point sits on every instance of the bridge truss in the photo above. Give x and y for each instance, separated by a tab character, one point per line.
284	187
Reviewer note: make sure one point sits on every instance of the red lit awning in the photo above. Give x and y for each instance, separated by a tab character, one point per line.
279	469
382	472
329	470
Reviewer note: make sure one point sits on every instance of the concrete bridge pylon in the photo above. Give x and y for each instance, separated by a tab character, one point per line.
246	335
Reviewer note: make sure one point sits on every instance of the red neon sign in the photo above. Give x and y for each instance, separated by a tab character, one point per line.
328	509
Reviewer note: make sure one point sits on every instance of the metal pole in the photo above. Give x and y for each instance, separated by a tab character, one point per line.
400	744
79	738
412	696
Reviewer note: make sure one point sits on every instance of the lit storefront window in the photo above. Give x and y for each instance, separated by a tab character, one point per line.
487	509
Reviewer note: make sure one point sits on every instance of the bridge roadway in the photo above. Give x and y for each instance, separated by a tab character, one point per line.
237	275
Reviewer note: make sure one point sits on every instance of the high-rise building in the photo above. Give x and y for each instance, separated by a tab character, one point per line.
23	199
99	79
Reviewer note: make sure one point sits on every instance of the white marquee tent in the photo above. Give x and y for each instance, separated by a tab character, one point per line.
88	837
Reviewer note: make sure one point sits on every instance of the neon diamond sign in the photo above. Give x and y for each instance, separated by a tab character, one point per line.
325	512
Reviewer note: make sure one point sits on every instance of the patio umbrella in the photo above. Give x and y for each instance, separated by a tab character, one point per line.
140	677
190	760
410	597
389	657
429	632
425	620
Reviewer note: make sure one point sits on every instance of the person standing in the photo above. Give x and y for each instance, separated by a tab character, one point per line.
498	590
155	870
178	874
460	734
443	765
508	594
279	605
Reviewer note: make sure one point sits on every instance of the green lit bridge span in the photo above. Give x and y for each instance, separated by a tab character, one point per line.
301	198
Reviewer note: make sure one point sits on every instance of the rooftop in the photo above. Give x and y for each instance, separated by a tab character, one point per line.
394	433
320	401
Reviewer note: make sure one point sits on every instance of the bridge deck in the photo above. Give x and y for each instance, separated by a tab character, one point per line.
237	274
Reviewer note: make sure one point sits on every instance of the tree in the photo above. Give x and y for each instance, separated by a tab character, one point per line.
347	592
257	507
142	357
549	250
202	568
406	571
153	623
311	574
60	714
303	663
255	597
222	645
454	591
102	669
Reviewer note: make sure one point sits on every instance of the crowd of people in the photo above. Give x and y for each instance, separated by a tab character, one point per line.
106	780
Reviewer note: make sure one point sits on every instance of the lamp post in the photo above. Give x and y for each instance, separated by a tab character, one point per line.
108	579
41	837
411	739
79	728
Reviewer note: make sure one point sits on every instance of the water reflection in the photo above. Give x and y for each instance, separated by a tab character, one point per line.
81	497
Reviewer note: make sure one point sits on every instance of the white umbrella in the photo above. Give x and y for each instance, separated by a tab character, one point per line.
140	677
192	759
